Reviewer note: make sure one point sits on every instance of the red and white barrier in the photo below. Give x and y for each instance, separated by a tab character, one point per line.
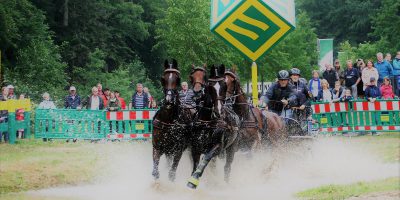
330	107
377	106
128	136
338	129
131	115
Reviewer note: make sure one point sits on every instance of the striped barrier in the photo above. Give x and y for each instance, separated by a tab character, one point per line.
130	124
357	116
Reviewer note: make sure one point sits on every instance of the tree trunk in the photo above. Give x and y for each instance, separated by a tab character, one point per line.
65	22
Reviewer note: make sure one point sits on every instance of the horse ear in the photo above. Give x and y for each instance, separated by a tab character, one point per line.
213	71
174	64
205	66
166	64
193	67
162	81
221	70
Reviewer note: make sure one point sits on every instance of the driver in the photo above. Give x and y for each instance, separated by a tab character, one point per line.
280	97
301	90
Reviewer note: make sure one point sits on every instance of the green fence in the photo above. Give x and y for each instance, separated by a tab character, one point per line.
94	124
357	116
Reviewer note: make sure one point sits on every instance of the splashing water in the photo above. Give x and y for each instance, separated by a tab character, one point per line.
272	175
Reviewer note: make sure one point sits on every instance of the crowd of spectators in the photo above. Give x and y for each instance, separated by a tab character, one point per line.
370	80
106	99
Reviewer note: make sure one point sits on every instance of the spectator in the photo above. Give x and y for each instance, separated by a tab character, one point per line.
388	58
339	71
4	94
384	68
139	100
106	96
315	85
11	94
325	94
347	96
369	72
330	75
72	101
121	100
46	103
21	96
386	89
94	101
352	78
100	88
372	92
186	94
4	119
154	104
19	116
360	65
146	90
338	91
396	74
113	103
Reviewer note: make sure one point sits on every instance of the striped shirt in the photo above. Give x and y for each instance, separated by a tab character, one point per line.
139	101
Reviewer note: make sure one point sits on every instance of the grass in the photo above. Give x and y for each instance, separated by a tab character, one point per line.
351	190
33	164
387	146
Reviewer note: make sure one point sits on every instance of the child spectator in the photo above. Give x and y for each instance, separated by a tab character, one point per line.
315	85
372	92
154	104
338	92
113	103
386	89
347	96
19	116
325	94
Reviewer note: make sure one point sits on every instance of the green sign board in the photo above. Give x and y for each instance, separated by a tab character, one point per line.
252	26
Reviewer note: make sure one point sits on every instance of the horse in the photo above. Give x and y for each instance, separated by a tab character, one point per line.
211	134
257	127
169	137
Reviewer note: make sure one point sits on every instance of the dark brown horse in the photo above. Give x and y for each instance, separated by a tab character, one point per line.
254	125
211	134
168	137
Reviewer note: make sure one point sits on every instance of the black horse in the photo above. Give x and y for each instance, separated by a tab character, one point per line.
169	136
215	127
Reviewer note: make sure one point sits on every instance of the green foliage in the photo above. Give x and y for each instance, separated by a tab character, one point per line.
342	20
31	60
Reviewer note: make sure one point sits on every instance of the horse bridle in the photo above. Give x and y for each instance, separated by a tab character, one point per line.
201	92
233	94
169	90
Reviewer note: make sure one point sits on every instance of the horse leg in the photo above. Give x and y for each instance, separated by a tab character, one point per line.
196	158
176	158
193	181
230	154
156	161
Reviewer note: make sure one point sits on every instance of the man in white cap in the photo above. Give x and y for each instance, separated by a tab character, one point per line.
11	94
72	101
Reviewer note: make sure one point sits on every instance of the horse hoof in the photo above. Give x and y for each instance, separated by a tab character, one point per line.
193	183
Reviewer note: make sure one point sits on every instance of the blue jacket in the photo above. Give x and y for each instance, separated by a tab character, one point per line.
385	69
396	67
372	92
72	103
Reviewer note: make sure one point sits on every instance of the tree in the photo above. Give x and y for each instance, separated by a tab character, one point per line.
31	60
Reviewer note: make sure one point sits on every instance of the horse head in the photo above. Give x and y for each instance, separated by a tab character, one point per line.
198	79
170	82
216	80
